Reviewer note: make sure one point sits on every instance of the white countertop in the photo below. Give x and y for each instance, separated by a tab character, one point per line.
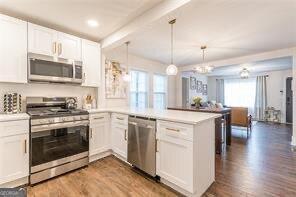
170	115
12	117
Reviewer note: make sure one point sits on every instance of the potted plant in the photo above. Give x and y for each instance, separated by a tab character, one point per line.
197	101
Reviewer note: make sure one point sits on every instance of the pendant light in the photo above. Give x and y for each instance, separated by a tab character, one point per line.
126	76
204	69
172	69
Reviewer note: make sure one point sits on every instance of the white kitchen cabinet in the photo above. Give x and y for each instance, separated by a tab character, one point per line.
119	125
99	133
42	40
174	162
45	41
14	150
69	47
14	153
13	50
91	58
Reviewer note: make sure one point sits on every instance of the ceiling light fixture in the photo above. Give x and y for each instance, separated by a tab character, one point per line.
92	23
126	76
244	74
172	69
204	69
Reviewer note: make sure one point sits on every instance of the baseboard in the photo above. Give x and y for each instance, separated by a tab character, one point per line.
16	183
96	157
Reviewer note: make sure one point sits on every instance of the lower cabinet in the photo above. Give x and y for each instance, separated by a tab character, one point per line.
14	154
99	138
174	162
119	140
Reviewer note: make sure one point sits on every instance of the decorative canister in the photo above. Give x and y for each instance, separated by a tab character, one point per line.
12	103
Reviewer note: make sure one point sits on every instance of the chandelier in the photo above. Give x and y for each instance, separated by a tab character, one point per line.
203	69
244	74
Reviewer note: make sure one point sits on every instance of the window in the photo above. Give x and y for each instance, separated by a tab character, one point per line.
240	93
138	89
159	91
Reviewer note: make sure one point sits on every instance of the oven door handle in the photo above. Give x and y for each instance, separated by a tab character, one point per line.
38	128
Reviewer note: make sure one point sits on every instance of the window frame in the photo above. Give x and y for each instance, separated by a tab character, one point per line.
137	92
166	88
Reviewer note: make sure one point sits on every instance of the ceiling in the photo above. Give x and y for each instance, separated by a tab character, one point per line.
230	28
255	67
71	15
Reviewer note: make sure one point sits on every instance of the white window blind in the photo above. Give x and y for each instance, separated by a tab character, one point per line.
240	93
159	91
139	89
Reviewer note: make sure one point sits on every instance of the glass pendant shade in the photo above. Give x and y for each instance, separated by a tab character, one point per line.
172	70
127	77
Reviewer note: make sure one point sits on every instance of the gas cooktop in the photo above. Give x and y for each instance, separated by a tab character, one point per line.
48	113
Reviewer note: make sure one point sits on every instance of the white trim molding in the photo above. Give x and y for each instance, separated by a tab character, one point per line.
293	143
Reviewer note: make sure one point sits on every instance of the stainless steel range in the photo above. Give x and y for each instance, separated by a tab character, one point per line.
59	137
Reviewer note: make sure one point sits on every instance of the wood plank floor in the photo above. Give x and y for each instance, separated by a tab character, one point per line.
263	165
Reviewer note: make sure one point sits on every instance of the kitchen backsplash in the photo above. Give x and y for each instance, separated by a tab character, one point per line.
46	90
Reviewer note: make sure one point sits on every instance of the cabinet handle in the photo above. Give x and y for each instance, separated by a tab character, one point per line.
157	146
84	77
125	135
170	129
98	118
59	49
91	134
119	118
54	48
25	146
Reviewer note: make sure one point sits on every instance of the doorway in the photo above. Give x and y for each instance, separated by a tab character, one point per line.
289	100
185	91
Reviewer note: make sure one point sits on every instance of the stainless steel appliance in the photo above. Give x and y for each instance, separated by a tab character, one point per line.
142	144
42	68
59	138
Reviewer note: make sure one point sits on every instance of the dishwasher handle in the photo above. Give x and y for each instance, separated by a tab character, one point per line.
140	125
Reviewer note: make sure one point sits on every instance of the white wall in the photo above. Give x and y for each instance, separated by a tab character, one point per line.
46	90
138	63
276	82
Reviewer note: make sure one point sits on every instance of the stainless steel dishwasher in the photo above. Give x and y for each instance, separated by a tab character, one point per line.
142	144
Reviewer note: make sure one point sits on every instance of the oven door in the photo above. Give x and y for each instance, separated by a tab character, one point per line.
46	69
53	145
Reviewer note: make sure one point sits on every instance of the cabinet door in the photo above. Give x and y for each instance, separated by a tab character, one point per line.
91	58
99	137
174	162
13	50
119	140
69	47
42	40
14	154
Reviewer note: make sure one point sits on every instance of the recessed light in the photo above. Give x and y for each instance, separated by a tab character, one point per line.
92	23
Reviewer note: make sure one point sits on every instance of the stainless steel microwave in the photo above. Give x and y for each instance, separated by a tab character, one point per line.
42	68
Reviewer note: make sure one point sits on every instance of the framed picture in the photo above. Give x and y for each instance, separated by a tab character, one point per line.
205	89
192	83
199	87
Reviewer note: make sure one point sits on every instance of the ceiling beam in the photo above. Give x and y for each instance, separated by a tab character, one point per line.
246	59
117	38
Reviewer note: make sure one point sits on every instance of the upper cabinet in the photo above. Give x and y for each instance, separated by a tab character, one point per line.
42	40
13	50
91	58
69	47
45	41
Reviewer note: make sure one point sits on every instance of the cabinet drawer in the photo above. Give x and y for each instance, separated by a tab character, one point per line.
100	117
119	119
14	127
168	130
